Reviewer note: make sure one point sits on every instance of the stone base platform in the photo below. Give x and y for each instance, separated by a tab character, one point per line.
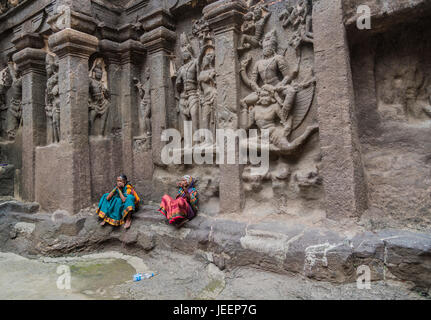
318	254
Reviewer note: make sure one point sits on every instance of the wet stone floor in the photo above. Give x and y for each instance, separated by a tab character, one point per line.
109	275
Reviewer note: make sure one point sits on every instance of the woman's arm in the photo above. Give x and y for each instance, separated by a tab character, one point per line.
123	198
111	194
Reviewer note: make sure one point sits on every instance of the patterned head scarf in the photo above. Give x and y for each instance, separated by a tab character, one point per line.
190	182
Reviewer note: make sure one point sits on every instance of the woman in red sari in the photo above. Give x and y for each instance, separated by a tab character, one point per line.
184	207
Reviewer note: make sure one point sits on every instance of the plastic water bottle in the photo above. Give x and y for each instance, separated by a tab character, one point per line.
140	276
137	277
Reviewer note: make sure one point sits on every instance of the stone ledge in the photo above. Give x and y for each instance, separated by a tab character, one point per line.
318	254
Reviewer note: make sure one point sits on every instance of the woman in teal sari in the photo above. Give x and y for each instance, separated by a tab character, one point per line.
115	207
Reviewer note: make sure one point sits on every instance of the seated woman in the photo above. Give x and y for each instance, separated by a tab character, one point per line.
116	207
185	206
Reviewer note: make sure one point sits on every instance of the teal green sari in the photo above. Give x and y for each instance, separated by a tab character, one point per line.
114	211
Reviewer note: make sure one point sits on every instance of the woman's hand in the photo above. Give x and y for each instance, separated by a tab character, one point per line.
123	198
187	195
111	194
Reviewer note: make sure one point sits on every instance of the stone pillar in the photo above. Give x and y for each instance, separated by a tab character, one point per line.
342	169
132	55
159	41
113	59
31	63
72	187
225	18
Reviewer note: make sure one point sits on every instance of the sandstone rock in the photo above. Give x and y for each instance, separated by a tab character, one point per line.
18	206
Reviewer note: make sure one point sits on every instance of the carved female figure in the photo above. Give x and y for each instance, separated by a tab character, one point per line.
52	98
99	99
207	83
15	109
4	86
145	104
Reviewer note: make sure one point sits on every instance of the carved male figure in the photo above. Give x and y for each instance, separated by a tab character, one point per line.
52	98
99	99
254	41
299	16
202	31
187	84
267	113
266	71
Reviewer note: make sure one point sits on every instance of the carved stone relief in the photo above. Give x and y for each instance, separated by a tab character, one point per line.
5	82
186	85
298	17
6	5
253	28
207	85
52	99
143	142
277	71
277	104
14	113
403	78
99	99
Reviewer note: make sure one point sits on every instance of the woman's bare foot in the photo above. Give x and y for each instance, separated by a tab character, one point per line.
103	223
128	223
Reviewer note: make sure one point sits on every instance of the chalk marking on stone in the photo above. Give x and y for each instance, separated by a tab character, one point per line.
312	252
24	228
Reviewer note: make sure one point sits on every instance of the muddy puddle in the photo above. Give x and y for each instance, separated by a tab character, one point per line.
86	277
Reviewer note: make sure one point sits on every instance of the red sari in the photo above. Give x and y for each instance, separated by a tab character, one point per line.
176	210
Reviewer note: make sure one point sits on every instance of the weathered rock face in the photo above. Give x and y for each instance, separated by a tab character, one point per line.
7	180
391	73
325	124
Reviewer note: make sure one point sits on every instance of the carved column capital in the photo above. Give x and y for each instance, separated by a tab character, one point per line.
29	56
66	18
30	60
156	19
72	42
225	15
28	40
129	51
159	39
110	51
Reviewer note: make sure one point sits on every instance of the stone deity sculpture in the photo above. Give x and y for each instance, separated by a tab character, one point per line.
207	84
299	17
186	85
5	80
266	71
253	29
52	98
272	104
267	113
14	116
145	104
99	100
